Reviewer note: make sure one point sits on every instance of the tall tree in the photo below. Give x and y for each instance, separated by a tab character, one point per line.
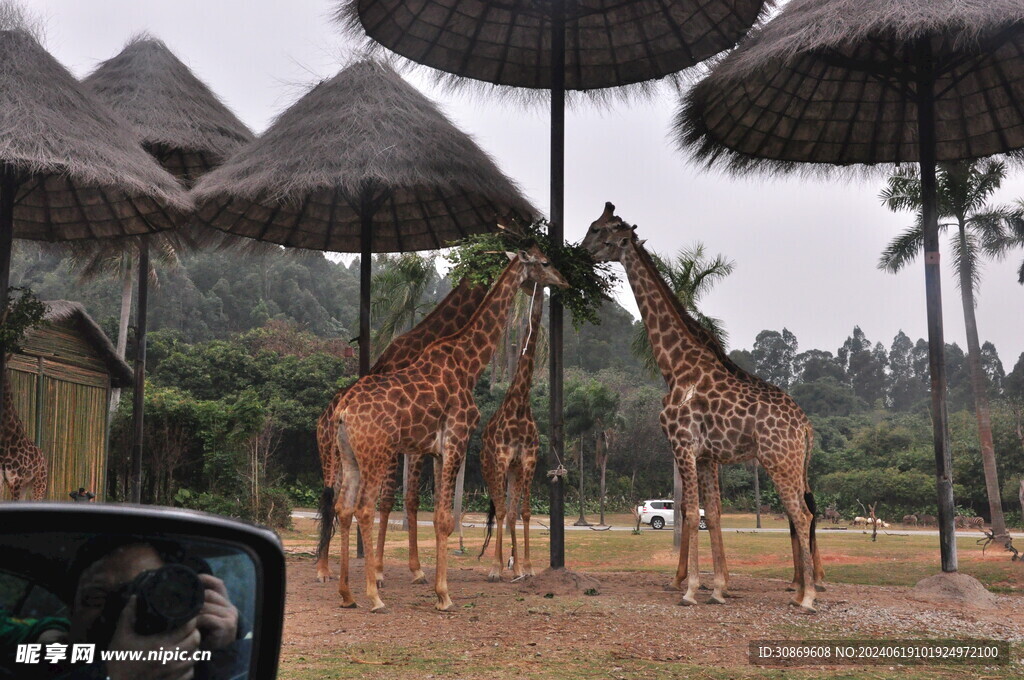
964	191
905	386
403	290
690	274
774	354
864	365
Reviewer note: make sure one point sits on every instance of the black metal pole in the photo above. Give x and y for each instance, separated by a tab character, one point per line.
365	276
8	189
138	401
933	293
557	236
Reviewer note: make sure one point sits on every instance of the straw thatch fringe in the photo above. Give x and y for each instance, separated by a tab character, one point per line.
610	44
839	24
832	83
363	134
82	170
58	311
178	118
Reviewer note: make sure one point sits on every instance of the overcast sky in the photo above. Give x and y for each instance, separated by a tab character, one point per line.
805	251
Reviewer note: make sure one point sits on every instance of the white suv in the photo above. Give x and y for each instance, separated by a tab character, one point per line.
660	513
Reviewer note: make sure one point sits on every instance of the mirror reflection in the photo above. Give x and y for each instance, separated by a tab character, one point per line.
124	607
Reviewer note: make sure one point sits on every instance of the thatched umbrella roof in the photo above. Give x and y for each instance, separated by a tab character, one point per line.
363	142
833	81
847	82
79	169
178	118
609	43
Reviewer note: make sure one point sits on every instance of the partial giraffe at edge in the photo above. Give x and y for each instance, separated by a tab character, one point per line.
23	465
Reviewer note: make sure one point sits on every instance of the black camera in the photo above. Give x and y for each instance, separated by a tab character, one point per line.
166	598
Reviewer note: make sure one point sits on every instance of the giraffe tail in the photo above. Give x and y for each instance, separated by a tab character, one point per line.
808	496
491	513
326	519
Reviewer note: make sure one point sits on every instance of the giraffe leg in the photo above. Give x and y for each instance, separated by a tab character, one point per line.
687	464
387	504
498	564
707	476
511	515
369	488
791	493
454	443
524	481
39	486
412	508
344	508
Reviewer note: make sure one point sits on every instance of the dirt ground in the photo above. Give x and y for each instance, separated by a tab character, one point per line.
538	626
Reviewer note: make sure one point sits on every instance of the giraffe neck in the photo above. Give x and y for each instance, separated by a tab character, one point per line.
519	389
682	356
479	337
450	315
12	428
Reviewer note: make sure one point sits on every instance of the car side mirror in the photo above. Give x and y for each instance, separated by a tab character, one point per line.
88	584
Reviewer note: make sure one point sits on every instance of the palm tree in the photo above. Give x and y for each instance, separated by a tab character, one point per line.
115	258
690	274
964	190
402	293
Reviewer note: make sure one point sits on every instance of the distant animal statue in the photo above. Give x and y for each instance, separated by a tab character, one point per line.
860	521
960	522
910	520
832	514
976	523
926	520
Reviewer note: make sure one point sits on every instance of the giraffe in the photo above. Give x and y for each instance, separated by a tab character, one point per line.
509	454
21	461
426	408
715	413
450	315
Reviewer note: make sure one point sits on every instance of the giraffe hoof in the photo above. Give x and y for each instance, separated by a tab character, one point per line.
379	609
792	587
349	605
494	577
703	587
324	578
807	609
820	587
671	587
716	599
443	606
687	602
419	578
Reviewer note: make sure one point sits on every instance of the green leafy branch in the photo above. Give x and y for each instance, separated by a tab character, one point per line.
23	312
481	258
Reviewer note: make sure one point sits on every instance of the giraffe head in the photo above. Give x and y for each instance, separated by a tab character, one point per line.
608	236
599	239
538	268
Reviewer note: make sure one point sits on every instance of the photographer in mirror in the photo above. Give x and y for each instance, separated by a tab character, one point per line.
148	610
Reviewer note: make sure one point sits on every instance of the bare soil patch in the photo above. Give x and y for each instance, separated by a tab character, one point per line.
555	619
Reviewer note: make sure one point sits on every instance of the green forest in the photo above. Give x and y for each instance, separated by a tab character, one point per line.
247	348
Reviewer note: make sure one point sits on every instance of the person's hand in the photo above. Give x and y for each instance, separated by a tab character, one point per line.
183	640
218	619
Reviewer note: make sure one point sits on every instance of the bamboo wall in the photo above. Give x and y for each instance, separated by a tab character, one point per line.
61	390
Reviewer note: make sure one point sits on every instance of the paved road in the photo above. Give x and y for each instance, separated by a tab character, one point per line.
477	521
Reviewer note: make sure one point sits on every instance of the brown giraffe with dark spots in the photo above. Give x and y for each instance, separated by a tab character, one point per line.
22	464
449	316
426	408
509	454
715	413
